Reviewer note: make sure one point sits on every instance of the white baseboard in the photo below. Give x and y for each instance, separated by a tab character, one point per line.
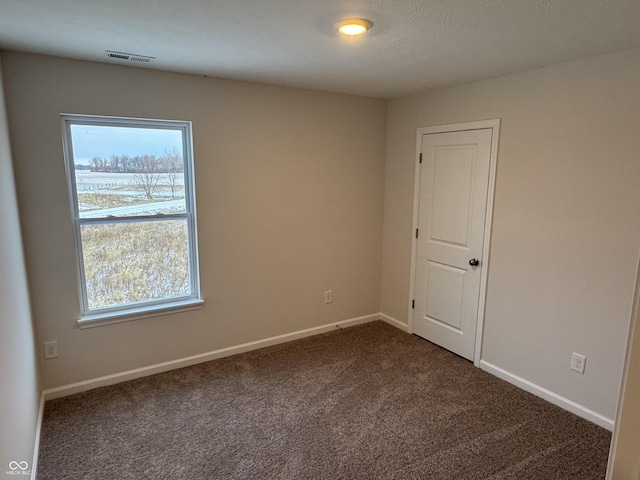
36	447
86	385
395	322
549	396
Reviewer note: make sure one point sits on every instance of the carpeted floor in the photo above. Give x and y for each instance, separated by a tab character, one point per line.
368	402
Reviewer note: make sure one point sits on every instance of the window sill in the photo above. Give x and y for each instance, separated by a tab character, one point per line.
109	318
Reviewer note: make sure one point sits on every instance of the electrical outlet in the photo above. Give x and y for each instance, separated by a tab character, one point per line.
51	349
328	296
577	362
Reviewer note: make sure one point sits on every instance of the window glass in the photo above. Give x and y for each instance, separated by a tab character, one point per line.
131	183
128	171
130	262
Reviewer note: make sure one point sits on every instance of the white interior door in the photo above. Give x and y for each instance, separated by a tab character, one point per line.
454	180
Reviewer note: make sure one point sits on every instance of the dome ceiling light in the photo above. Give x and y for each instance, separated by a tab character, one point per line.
354	26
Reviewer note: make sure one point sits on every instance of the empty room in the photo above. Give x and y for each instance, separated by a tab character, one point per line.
370	240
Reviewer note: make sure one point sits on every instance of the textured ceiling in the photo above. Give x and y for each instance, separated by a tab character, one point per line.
414	45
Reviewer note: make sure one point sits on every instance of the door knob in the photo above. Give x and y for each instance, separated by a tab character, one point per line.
474	262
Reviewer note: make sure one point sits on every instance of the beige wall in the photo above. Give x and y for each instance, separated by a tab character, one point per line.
289	187
20	394
566	225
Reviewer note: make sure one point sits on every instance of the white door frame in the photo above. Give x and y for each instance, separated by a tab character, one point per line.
494	125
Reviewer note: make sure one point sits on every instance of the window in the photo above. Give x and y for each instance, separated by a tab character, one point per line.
133	208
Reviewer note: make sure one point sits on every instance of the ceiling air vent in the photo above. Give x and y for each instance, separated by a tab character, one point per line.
128	57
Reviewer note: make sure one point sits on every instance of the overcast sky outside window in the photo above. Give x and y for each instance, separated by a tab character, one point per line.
91	141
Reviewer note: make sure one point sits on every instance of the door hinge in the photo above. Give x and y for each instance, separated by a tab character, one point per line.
420	157
417	232
413	304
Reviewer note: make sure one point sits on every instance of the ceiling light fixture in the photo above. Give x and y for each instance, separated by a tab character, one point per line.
354	26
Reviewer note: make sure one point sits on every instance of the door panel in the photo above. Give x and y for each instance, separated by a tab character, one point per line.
452	191
454	182
444	296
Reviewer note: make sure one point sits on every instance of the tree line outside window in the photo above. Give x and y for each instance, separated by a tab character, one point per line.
148	169
167	163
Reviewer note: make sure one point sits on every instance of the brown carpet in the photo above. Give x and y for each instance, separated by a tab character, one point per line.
368	402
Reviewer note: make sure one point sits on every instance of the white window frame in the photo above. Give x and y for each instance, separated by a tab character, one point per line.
125	312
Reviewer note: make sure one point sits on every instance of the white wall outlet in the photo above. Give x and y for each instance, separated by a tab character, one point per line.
51	349
577	362
328	296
